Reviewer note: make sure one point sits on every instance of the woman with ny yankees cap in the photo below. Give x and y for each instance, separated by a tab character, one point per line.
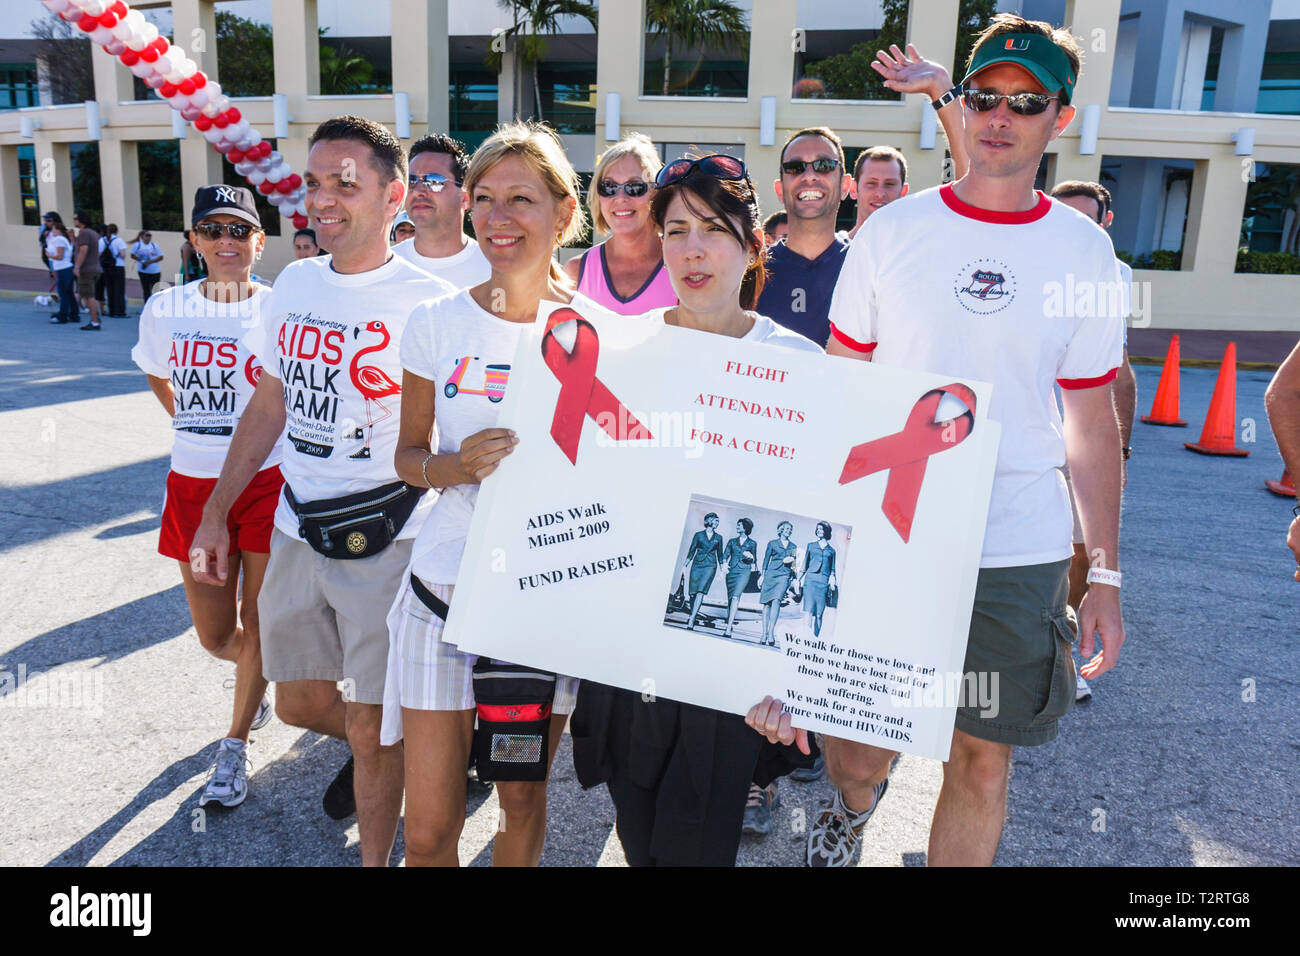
190	348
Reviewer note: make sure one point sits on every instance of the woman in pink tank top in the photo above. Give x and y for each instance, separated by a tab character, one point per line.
625	273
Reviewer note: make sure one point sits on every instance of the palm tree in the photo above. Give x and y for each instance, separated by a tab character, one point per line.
532	19
695	23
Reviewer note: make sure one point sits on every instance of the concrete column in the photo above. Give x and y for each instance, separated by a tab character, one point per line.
506	88
1160	37
194	30
11	200
54	177
297	50
1218	184
113	84
421	62
618	68
771	73
1096	25
1241	63
119	169
934	33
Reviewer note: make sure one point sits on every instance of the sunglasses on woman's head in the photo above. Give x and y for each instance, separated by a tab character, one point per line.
215	230
795	167
1026	104
718	166
633	188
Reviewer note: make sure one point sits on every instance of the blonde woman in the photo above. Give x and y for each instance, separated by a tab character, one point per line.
625	273
524	203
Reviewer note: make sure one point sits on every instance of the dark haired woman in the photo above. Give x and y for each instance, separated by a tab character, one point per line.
679	774
778	572
818	575
702	560
740	557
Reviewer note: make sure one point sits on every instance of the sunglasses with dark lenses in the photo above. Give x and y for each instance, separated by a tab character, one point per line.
718	166
433	181
795	167
215	230
633	188
1026	104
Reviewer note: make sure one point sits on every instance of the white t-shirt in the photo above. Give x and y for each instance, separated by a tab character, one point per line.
146	251
936	285
52	245
332	340
1126	280
466	268
195	342
466	352
764	330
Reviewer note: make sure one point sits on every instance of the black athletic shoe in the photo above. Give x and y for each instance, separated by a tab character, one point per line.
340	801
91	327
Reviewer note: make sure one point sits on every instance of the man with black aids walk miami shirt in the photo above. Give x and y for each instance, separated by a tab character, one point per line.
957	280
328	342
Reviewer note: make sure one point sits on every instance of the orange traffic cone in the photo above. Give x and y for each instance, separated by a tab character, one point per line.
1218	437
1285	486
1164	410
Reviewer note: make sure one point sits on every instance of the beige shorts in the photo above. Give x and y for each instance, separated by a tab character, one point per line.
323	619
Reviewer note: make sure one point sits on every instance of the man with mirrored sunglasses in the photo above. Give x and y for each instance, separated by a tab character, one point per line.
436	204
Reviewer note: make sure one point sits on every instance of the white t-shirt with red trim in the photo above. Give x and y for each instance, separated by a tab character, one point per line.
333	340
1023	300
194	342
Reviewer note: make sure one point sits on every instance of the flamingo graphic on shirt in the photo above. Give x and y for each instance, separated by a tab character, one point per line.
372	382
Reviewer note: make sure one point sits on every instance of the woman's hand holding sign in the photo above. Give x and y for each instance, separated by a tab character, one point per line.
481	453
769	718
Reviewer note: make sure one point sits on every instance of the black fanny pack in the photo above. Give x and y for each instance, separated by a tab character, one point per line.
355	526
513	732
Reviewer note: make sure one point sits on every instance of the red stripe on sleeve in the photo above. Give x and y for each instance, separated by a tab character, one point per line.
1074	383
854	344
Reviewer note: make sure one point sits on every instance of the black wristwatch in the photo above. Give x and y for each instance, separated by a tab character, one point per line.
947	98
1296	511
1128	450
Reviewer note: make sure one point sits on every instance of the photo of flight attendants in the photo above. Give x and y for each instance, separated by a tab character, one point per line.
740	558
776	577
817	576
770	589
702	560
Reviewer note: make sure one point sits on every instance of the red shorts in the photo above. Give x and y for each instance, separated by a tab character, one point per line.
249	522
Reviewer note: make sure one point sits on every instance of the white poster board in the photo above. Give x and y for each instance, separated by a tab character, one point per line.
577	555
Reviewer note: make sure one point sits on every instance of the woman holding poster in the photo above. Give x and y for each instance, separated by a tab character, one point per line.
740	557
778	573
524	204
702	560
679	774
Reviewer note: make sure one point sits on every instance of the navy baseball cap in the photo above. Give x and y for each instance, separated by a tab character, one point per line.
228	200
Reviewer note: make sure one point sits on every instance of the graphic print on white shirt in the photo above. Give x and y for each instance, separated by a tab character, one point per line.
332	341
195	343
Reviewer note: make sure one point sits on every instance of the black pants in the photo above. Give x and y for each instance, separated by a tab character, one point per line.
147	281
115	289
680	777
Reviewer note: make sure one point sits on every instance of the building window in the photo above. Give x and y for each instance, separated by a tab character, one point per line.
1270	221
703	55
18	86
473	90
161	202
569	96
834	48
87	187
1150	198
27	189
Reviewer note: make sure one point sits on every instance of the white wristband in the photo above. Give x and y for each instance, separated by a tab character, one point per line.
1104	576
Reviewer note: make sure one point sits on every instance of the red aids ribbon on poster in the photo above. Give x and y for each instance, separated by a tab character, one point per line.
905	453
581	393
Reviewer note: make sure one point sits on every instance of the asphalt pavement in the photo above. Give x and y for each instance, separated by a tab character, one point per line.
110	711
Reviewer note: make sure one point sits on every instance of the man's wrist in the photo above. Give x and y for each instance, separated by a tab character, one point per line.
945	96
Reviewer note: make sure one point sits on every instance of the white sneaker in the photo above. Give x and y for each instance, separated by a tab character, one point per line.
264	714
228	783
835	838
1081	689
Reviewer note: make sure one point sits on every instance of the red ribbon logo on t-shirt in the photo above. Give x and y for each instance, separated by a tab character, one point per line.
581	393
905	453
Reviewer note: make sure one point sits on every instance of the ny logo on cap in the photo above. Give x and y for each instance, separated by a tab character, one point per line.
226	194
1017	43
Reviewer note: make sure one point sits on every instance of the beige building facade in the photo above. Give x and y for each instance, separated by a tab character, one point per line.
1220	148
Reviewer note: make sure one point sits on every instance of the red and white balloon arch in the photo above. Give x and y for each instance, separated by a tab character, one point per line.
125	33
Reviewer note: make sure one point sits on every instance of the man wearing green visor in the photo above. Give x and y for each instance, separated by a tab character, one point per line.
958	280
